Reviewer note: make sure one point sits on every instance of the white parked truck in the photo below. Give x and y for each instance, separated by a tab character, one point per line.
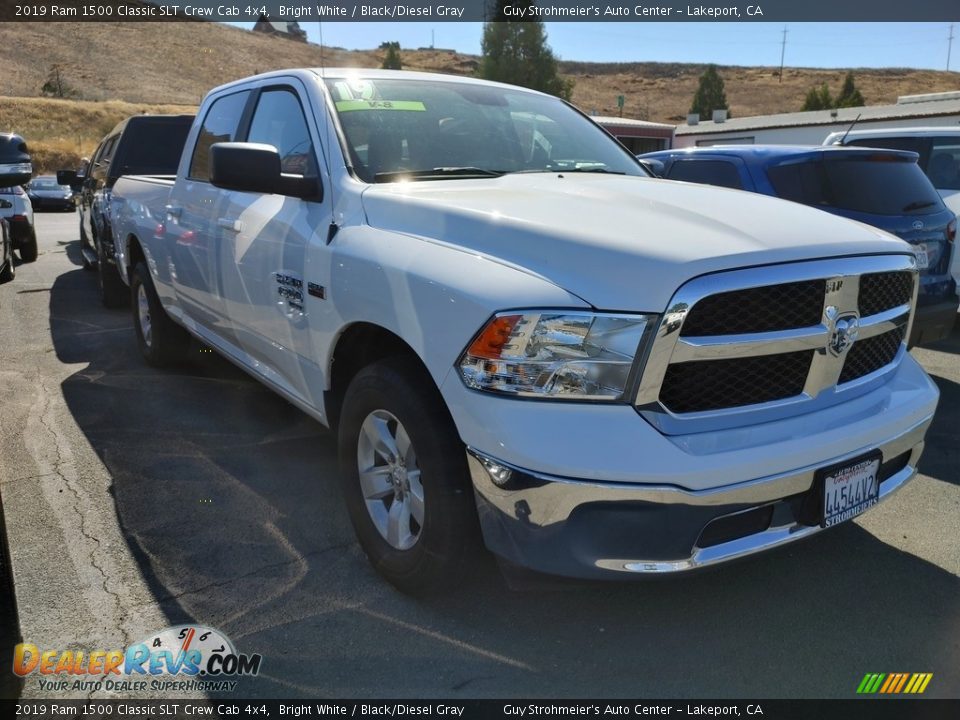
516	332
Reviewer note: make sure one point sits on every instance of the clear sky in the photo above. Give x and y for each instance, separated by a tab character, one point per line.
841	45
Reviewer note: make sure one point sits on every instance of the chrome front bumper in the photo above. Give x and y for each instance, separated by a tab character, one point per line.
591	529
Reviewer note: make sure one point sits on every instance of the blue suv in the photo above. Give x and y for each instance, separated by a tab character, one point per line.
883	188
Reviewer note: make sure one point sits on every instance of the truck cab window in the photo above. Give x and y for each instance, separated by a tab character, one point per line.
279	121
220	125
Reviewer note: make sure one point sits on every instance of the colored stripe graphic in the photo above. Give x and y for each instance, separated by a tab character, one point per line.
894	683
903	680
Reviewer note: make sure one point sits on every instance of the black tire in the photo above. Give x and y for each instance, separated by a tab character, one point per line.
28	250
162	342
402	389
113	292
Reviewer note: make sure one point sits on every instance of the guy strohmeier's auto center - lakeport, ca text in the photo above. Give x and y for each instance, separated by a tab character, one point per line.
395	11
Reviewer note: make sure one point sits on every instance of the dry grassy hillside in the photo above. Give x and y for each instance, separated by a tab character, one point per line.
662	92
60	132
176	63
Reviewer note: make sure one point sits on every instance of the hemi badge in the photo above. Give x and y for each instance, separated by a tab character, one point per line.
316	290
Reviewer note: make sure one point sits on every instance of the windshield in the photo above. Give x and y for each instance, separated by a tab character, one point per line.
415	129
47	184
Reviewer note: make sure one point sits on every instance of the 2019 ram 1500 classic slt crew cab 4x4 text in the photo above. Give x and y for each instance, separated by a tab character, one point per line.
512	326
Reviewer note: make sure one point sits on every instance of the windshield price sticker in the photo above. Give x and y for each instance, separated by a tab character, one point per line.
408	105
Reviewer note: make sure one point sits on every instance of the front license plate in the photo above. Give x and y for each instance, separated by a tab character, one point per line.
923	261
849	489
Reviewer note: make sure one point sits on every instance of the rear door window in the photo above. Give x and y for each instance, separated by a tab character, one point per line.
219	125
102	160
943	169
710	172
873	186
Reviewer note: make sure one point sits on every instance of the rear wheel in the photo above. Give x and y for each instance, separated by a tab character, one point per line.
405	477
28	250
162	342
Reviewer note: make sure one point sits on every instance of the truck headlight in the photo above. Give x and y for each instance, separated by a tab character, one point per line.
554	354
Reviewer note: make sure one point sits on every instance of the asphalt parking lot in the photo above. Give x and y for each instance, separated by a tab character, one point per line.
137	499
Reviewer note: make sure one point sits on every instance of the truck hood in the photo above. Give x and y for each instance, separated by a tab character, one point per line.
618	242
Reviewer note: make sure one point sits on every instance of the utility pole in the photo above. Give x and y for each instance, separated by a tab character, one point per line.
949	46
783	50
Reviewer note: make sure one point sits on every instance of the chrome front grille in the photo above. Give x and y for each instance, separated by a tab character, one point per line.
750	345
716	384
761	309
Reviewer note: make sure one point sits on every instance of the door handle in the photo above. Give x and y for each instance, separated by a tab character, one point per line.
173	210
228	224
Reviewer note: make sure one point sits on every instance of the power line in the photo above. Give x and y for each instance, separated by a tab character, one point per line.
783	51
949	46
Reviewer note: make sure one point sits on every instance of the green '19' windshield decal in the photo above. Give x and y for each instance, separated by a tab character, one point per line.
409	105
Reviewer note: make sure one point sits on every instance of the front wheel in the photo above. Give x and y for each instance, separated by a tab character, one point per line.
162	342
405	477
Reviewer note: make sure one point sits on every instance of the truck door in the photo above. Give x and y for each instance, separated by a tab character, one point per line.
90	195
193	234
265	243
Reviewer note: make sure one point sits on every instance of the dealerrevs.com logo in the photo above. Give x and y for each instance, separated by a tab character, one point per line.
185	657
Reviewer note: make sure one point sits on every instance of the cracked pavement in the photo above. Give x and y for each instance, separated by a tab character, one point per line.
137	499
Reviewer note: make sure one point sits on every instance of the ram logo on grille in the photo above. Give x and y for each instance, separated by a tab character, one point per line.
844	330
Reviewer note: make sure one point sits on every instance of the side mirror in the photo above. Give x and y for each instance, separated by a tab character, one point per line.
255	167
70	177
15	164
654	167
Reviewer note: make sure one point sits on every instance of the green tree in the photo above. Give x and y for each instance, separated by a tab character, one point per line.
392	59
56	85
818	99
516	52
849	95
710	94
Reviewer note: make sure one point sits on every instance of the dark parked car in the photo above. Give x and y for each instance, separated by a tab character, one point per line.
139	145
16	214
46	193
883	188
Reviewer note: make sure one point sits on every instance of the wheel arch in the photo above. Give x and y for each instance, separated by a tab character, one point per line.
357	346
130	252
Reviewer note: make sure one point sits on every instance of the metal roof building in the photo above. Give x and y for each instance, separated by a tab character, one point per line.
639	136
802	128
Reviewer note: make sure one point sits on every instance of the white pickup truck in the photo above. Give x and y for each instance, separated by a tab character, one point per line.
515	331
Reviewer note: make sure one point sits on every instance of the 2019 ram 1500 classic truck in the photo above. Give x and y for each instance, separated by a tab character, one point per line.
513	328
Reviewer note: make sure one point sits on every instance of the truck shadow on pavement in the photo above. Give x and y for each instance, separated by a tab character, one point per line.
230	502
